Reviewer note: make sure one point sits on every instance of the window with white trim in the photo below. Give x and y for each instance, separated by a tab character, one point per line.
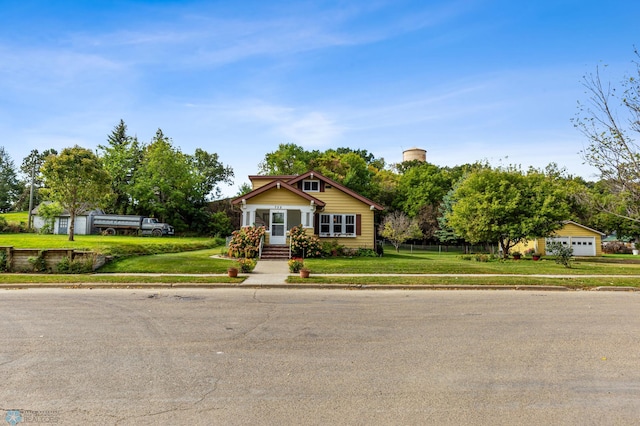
337	225
311	185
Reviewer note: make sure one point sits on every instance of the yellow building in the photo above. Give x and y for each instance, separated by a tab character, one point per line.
323	207
583	240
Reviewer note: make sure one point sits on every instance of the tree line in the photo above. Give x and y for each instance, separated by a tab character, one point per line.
473	203
124	176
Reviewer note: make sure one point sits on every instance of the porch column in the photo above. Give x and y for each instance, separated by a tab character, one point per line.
248	215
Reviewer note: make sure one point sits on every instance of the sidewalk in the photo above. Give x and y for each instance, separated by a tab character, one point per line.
274	273
268	272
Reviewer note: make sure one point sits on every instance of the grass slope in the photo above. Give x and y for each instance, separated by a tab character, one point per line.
109	245
16	217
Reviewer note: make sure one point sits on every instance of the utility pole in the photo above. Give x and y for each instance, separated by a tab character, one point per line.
33	174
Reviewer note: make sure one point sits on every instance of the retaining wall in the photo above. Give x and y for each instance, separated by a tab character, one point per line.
18	259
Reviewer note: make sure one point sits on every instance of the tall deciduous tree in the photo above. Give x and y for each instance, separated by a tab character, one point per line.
121	156
288	159
209	172
349	169
611	122
175	187
507	207
77	180
162	184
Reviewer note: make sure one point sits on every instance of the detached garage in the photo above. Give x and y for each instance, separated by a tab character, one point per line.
583	240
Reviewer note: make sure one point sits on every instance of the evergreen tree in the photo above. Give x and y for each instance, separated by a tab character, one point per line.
9	185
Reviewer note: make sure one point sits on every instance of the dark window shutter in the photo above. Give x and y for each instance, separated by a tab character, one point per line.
321	186
358	224
316	223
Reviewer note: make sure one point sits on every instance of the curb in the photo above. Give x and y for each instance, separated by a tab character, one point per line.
315	285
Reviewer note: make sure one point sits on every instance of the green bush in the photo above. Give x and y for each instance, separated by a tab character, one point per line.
563	253
478	257
4	264
332	248
220	225
364	252
38	263
76	266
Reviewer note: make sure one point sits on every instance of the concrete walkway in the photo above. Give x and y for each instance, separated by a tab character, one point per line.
268	272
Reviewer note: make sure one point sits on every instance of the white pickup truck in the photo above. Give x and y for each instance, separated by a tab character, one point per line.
112	224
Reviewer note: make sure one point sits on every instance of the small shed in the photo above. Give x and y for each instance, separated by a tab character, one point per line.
82	225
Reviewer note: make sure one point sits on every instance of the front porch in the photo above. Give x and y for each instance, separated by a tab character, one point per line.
278	220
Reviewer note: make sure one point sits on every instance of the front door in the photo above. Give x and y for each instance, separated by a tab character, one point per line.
63	225
278	227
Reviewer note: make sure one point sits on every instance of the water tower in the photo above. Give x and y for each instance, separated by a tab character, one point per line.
414	154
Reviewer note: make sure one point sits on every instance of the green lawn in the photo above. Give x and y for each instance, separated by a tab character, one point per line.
466	280
116	245
199	256
193	262
106	279
450	263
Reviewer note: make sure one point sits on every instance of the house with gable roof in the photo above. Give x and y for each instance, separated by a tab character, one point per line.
323	207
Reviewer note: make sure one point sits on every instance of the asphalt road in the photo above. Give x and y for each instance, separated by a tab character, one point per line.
318	357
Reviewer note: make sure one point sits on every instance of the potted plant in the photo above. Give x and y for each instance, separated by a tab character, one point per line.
232	271
246	264
295	264
304	272
536	256
516	255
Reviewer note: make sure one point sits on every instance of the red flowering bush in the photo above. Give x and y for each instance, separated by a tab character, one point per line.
303	244
246	241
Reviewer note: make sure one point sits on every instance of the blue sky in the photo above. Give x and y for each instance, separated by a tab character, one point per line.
465	80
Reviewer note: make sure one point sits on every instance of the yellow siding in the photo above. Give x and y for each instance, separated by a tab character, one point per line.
568	230
259	183
339	202
278	197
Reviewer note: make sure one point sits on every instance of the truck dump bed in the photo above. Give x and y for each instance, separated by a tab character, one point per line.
117	221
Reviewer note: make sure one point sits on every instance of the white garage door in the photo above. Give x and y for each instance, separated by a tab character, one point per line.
582	246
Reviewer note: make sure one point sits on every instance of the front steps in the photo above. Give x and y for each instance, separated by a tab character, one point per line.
275	252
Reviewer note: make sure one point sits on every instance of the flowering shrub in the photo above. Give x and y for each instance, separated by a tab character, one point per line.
246	241
246	265
303	244
332	248
295	264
